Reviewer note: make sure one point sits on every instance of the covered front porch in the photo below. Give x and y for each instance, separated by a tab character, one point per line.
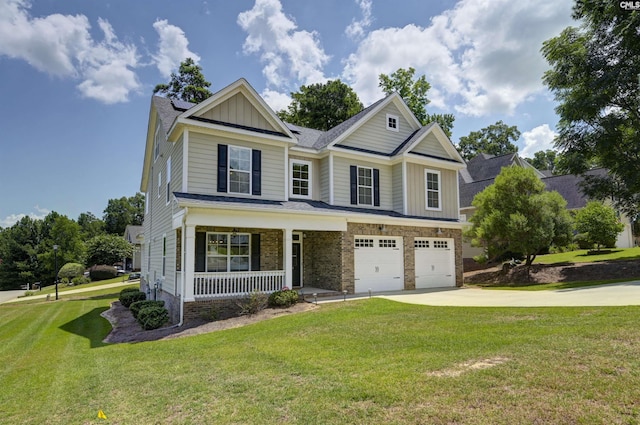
231	255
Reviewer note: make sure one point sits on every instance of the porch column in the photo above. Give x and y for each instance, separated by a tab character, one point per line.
189	262
287	250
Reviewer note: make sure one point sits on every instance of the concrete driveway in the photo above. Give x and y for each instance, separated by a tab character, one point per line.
616	294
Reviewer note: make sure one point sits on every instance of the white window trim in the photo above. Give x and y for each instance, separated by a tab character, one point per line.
156	143
229	147
397	119
426	190
159	183
309	179
168	184
164	255
229	234
359	185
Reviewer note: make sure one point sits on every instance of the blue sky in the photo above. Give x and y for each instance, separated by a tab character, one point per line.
77	76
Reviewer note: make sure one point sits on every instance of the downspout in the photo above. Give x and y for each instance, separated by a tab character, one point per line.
182	284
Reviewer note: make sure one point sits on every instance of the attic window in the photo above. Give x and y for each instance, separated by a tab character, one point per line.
393	123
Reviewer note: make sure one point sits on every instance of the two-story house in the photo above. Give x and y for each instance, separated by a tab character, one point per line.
238	200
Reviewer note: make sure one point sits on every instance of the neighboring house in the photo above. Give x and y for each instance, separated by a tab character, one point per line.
135	236
238	200
482	170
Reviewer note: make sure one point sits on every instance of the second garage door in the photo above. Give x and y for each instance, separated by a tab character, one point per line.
435	262
379	263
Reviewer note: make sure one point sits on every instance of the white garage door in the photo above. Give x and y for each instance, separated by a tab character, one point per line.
435	262
379	263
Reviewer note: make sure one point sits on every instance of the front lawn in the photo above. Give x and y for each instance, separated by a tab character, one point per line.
586	256
360	362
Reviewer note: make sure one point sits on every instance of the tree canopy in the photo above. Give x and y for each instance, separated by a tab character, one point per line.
107	249
544	160
516	214
123	212
414	92
322	106
495	139
594	77
188	85
599	224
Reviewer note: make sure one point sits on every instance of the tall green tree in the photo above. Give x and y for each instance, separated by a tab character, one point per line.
599	224
594	77
322	106
414	92
90	225
544	160
495	139
516	214
122	212
19	248
107	249
188	85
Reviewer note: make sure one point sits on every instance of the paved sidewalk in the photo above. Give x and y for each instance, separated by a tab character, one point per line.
72	291
615	294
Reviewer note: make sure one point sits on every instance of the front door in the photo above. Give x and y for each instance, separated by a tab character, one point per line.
297	260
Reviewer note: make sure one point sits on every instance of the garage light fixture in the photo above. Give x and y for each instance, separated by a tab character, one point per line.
439	232
382	228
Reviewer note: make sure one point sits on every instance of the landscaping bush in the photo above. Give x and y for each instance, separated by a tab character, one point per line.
255	302
139	305
70	271
152	317
102	272
283	298
80	280
129	297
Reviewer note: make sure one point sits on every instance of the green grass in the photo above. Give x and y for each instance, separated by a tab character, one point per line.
365	362
548	286
51	289
583	256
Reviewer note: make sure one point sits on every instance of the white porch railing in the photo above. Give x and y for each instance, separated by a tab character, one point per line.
215	285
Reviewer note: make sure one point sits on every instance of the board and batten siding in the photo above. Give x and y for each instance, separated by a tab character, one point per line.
341	187
203	163
396	181
416	182
315	175
238	110
430	145
373	135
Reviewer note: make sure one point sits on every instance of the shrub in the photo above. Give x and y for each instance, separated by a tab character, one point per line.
80	280
102	272
255	302
582	239
71	270
152	317
283	298
139	305
129	297
125	290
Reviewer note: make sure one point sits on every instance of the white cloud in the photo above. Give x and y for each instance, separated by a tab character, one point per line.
61	45
482	57
537	139
172	47
357	29
286	53
10	220
276	100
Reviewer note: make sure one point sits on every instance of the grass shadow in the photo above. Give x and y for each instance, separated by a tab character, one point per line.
90	325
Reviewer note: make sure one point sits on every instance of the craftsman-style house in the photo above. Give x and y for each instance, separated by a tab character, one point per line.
238	200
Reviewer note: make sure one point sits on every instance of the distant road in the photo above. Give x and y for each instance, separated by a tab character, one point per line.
9	295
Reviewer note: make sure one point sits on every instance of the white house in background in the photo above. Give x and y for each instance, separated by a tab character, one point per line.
238	200
135	236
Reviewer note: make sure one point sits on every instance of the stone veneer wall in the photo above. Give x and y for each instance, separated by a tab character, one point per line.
408	233
322	260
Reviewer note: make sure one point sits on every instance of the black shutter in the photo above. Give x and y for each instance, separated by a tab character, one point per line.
201	252
255	251
376	187
256	171
353	173
222	168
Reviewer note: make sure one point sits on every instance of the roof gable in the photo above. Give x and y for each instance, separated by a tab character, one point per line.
238	106
432	142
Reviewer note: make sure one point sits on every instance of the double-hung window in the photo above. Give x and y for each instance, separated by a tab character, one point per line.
300	178
239	170
433	193
228	252
168	172
365	186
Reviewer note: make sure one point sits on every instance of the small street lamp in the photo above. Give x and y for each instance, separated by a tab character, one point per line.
55	257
